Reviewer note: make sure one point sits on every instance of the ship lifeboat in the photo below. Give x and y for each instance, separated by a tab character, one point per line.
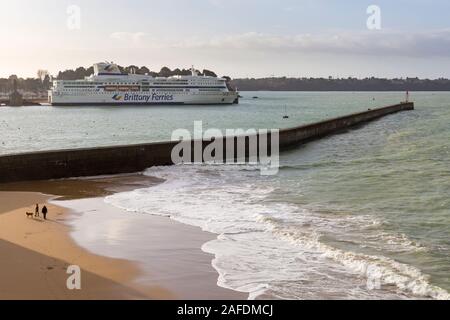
129	88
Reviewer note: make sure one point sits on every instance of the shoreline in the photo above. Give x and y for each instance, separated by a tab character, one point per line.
178	269
168	253
39	253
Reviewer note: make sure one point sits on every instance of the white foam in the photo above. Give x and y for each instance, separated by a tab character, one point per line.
379	271
274	249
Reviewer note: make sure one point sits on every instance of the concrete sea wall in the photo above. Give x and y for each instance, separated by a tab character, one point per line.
292	136
134	158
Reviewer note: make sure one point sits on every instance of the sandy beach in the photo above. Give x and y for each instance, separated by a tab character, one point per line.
37	252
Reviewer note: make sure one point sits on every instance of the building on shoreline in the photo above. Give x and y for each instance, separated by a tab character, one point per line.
15	98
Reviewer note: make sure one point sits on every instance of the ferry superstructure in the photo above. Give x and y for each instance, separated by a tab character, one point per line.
108	86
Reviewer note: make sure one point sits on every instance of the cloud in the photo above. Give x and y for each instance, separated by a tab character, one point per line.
136	38
383	43
433	43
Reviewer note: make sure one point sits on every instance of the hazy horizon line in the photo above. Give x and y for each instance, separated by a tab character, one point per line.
272	76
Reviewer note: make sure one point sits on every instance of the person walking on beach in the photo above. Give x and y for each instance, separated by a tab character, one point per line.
44	212
36	212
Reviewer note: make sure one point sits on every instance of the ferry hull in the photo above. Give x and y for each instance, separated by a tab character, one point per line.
124	99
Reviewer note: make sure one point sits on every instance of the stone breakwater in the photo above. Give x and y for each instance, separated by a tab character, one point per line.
134	158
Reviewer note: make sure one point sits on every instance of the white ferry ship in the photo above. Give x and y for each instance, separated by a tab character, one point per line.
108	86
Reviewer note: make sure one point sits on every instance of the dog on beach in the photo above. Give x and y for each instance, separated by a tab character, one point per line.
30	214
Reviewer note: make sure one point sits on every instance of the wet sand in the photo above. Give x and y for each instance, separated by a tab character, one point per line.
170	266
36	254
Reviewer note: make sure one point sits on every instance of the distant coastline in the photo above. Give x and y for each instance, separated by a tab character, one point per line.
37	87
341	84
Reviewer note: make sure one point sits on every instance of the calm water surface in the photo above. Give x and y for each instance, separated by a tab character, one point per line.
47	128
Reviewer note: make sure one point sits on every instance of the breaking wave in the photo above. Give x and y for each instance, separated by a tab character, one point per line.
275	249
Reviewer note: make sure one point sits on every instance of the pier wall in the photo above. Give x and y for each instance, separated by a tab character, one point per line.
134	158
301	134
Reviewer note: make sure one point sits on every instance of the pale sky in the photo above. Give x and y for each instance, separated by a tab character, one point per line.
239	38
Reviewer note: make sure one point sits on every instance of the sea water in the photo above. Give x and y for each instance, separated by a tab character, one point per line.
364	214
47	128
